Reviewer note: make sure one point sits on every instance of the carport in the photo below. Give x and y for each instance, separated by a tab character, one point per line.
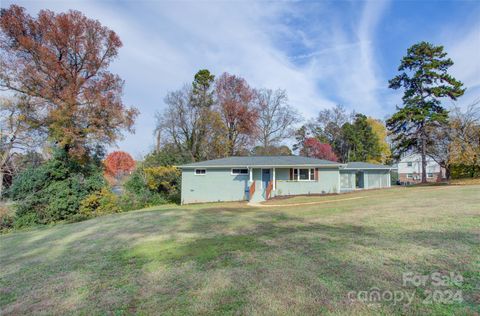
363	175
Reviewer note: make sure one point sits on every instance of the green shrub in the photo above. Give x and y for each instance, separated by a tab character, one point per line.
134	201
156	181
25	220
6	218
99	203
53	191
164	180
460	171
136	183
167	156
138	194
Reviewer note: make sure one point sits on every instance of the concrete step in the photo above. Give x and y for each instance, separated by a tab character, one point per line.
257	197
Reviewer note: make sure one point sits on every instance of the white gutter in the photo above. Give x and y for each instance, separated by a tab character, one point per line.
393	168
261	166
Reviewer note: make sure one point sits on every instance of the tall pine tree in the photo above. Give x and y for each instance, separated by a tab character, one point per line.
425	81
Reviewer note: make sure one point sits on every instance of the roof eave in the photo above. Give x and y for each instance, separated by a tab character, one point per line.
261	166
379	168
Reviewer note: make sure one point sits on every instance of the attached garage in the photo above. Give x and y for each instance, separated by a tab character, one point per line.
362	175
347	180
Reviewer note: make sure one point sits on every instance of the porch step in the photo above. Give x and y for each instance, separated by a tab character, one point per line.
257	197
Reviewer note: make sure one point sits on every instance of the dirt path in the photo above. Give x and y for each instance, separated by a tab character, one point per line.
335	200
308	203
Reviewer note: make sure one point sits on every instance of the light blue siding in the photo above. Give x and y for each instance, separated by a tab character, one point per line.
282	174
328	182
216	185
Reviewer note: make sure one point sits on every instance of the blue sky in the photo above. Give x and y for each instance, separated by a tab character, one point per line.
321	52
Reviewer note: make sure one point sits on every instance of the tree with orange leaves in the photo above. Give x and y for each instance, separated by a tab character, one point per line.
119	163
237	111
61	62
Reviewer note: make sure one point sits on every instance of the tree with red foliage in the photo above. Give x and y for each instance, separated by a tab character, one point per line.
314	148
239	115
60	61
119	163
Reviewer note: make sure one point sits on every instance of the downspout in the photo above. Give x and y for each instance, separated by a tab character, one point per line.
339	182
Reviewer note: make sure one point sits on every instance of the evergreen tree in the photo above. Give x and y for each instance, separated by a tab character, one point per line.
360	141
202	92
425	80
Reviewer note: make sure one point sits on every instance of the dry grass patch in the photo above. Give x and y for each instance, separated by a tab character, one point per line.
229	258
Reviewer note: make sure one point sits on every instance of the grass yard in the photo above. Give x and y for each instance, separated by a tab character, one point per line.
230	258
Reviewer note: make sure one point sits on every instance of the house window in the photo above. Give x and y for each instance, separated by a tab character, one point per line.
409	175
409	164
237	172
200	172
429	175
295	174
303	174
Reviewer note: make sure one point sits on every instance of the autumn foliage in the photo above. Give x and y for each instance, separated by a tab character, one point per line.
314	148
60	62
119	163
237	110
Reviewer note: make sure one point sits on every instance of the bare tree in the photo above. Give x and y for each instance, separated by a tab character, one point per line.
466	126
330	121
439	145
16	132
193	130
459	140
276	118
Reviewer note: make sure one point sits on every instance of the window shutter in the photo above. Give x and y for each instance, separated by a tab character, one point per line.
316	174
291	173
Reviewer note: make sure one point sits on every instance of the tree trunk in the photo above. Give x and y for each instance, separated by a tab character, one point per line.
447	172
1	184
157	143
424	159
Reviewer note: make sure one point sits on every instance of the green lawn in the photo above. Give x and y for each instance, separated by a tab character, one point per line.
233	259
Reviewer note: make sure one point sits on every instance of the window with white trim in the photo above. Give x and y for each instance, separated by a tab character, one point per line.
239	171
409	164
200	172
409	175
303	174
429	175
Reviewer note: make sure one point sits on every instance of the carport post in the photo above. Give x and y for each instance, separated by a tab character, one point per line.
273	187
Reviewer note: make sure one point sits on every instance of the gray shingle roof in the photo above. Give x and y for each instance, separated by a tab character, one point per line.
271	161
366	165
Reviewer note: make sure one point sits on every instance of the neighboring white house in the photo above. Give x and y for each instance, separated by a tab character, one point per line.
410	169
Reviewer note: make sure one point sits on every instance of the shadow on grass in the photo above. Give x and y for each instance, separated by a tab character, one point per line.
214	260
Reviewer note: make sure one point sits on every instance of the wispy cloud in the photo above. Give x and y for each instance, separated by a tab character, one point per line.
329	50
165	43
322	53
346	64
464	51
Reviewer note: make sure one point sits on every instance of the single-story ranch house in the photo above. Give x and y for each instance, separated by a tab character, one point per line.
259	178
